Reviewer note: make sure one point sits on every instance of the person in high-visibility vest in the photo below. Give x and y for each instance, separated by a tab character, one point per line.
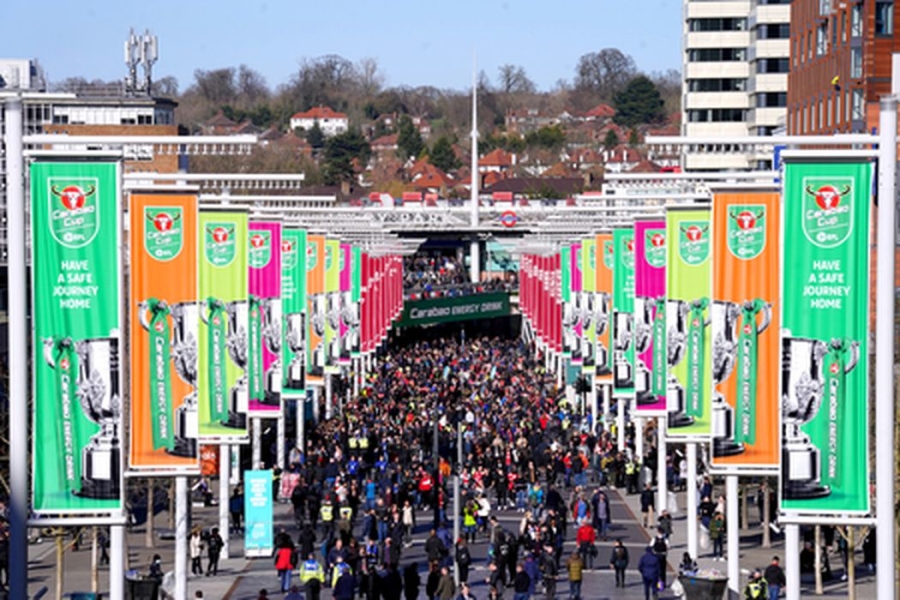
312	576
340	567
326	515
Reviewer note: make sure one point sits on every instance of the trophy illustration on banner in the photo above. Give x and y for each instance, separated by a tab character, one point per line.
623	376
350	319
805	381
97	475
586	316
724	322
271	334
153	316
317	321
601	317
238	313
571	318
334	322
643	335
295	338
676	344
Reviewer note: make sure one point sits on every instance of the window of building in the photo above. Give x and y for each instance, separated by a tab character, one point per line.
773	31
843	28
771	100
717	85
717	55
834	33
61	119
856	63
773	65
767	130
837	108
717	115
824	7
127	121
809	46
718	24
772	2
821	114
821	40
145	120
884	17
859	108
856	21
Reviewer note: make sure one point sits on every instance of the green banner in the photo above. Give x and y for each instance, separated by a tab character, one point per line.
623	311
565	275
689	333
293	299
588	306
825	342
333	305
222	385
447	310
76	308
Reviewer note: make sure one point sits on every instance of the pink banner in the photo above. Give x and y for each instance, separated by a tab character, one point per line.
650	372
264	328
346	301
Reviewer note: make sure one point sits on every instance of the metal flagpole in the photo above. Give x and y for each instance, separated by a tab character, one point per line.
792	561
224	467
691	486
279	444
884	344
18	352
182	499
256	455
733	537
662	482
116	560
474	255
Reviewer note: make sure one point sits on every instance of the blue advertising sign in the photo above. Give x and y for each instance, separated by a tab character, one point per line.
258	526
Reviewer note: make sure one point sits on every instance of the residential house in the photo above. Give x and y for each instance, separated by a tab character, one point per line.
330	122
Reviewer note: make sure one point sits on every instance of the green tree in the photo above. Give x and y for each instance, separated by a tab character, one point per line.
442	155
634	139
549	138
639	102
611	140
409	140
340	150
315	137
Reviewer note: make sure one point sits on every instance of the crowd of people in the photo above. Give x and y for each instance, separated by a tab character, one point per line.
429	276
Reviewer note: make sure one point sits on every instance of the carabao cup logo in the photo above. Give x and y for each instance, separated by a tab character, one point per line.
827	210
329	256
288	254
220	244
628	252
163	232
746	230
312	256
74	213
260	248
608	253
693	241
655	247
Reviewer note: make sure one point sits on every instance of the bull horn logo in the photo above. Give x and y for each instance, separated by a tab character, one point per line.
746	219
163	221
828	197
72	196
694	233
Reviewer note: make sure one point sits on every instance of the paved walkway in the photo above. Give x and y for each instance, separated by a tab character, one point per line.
241	579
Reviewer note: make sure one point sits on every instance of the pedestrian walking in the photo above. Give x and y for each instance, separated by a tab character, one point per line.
214	550
575	567
775	579
619	562
196	550
285	562
649	569
312	576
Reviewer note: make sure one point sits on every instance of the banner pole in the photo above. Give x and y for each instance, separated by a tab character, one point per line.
224	467
301	423
733	534
884	345
792	561
18	352
116	561
279	444
691	486
620	424
181	535
593	401
329	397
662	482
256	455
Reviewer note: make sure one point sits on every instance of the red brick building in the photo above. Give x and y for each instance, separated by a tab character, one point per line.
840	63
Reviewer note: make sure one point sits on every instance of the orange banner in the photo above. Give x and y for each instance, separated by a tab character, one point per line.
164	321
316	308
603	284
746	331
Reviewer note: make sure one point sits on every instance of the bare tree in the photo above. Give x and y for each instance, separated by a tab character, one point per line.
165	87
513	79
604	73
370	77
216	87
251	87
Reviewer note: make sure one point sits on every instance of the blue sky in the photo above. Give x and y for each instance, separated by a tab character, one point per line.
415	43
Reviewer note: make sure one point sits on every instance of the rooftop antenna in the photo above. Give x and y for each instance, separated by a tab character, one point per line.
149	53
132	58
